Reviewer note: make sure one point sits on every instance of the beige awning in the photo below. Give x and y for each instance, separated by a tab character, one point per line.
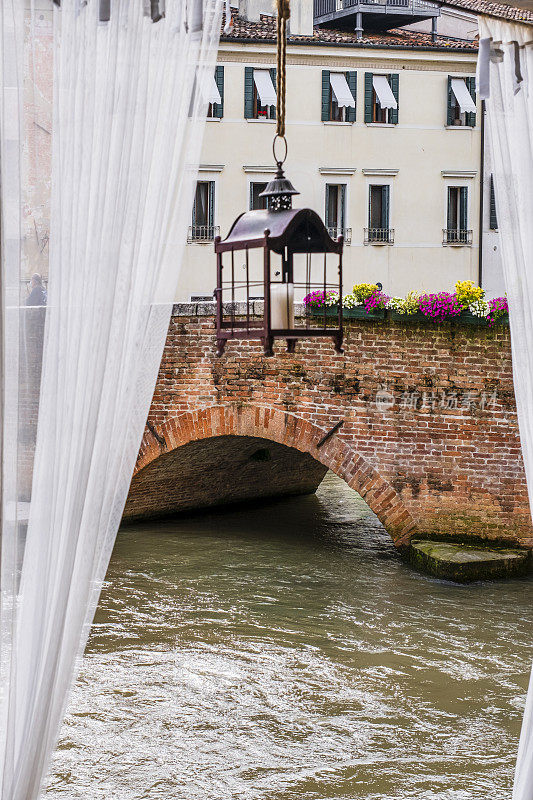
384	92
341	90
463	96
265	87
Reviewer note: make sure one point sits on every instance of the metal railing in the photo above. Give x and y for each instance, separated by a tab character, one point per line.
324	7
202	233
379	236
345	232
456	236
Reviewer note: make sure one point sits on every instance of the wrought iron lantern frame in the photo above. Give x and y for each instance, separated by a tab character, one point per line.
285	233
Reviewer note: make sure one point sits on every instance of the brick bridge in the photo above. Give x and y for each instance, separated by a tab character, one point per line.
429	433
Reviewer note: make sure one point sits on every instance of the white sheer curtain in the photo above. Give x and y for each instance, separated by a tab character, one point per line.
126	138
505	76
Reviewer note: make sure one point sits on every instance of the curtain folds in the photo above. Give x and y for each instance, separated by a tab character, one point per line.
505	74
126	137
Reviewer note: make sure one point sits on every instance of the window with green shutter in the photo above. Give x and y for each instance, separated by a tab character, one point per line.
394	81
216	110
457	231
351	78
379	230
335	215
373	111
248	92
493	218
331	110
471	86
203	212
454	114
253	108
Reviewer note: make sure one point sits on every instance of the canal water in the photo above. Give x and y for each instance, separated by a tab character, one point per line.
286	653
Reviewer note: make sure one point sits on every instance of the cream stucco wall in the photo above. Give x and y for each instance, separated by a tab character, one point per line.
416	153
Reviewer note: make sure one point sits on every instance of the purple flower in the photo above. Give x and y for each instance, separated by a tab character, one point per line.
319	298
497	308
377	299
439	306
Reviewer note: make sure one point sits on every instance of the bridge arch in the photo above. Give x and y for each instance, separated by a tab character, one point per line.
262	422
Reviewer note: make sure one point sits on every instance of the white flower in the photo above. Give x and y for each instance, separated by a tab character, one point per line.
350	301
479	307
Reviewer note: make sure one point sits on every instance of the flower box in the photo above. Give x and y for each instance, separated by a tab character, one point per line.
360	312
397	317
467	318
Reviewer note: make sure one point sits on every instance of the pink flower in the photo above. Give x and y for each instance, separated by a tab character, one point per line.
497	308
439	306
376	300
319	298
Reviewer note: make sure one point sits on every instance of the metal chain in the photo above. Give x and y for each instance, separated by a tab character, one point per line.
284	12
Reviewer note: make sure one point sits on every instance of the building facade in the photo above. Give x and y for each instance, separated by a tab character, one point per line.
398	171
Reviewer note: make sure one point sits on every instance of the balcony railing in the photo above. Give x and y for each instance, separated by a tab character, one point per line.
379	236
202	233
346	232
324	7
456	236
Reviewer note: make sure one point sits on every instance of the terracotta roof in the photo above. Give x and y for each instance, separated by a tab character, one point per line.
265	31
493	9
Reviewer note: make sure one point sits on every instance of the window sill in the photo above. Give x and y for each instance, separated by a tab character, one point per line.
214	119
456	244
378	244
334	122
381	124
261	121
459	127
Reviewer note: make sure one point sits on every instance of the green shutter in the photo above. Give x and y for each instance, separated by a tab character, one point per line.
218	108
193	220
351	79
211	208
463	208
343	207
272	114
493	224
394	81
326	88
450	115
248	92
369	89
471	86
385	204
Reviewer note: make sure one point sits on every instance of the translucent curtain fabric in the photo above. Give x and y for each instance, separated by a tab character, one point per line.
126	134
510	137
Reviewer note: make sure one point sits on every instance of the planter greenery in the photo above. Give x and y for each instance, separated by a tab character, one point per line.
467	305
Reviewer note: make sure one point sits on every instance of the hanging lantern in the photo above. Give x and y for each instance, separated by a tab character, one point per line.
275	257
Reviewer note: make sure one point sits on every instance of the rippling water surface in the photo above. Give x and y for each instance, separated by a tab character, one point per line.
285	653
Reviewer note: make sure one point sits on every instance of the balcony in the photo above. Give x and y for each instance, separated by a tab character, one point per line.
375	15
455	236
202	233
345	232
379	236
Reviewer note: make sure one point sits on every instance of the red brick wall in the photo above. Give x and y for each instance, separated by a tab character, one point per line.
429	435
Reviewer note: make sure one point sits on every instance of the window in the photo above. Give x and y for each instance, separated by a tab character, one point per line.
259	93
335	209
493	217
378	231
257	202
457	217
461	102
215	109
339	92
203	213
381	98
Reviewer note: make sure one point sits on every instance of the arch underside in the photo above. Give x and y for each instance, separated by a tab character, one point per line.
245	452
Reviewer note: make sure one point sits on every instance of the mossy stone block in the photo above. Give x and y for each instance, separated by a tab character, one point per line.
464	563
